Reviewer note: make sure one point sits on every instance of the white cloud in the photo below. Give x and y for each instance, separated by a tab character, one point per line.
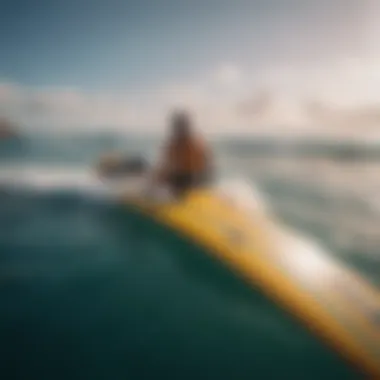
348	81
227	74
65	108
343	97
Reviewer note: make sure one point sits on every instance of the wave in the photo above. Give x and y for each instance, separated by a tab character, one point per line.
85	147
49	179
303	148
328	189
52	182
71	148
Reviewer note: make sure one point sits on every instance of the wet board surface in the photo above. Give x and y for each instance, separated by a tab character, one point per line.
331	299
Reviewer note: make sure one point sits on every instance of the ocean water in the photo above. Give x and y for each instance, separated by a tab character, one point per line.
88	291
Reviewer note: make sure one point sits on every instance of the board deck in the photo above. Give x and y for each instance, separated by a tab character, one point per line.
332	300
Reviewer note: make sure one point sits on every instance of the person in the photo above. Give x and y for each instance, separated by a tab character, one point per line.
187	160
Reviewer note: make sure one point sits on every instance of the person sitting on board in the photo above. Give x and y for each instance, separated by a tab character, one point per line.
186	160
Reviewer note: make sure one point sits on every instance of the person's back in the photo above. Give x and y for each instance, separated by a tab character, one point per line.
186	157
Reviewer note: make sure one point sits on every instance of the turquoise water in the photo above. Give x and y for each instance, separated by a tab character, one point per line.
90	291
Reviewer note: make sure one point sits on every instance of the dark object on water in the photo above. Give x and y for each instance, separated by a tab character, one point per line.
134	166
123	166
7	130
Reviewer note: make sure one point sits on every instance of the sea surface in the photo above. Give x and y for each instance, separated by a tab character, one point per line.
88	291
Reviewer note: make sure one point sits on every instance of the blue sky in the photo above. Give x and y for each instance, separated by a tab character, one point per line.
110	43
113	47
106	43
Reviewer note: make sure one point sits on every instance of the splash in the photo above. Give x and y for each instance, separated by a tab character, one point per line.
245	194
50	179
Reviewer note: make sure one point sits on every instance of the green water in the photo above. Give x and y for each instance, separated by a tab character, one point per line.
144	305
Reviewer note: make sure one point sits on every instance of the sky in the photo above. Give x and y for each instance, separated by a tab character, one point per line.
242	65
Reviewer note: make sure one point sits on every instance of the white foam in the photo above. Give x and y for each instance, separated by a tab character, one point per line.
45	178
50	179
244	194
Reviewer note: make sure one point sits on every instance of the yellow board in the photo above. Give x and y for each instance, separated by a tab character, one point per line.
333	301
